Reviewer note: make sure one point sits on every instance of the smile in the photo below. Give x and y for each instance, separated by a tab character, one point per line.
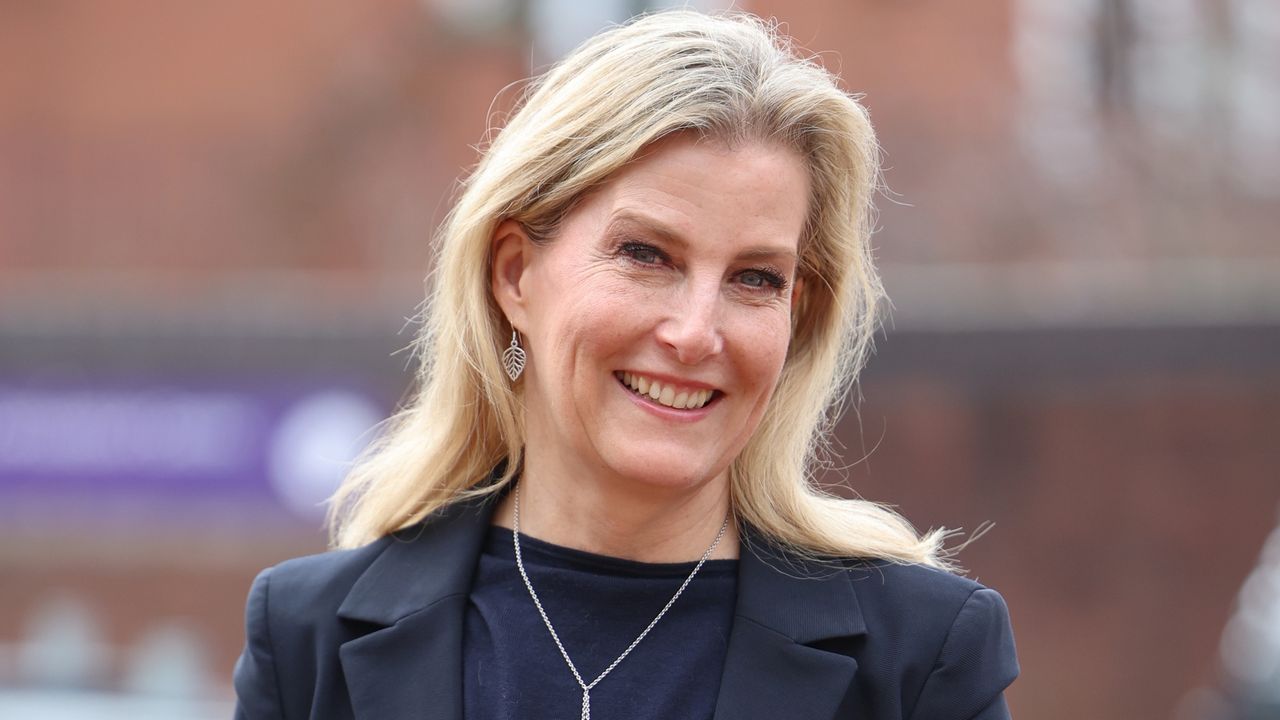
667	394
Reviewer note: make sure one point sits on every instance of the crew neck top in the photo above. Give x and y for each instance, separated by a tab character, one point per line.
598	606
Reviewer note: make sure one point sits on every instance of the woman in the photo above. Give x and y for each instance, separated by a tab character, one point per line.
651	296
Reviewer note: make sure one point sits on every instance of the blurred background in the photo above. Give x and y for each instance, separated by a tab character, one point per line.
214	225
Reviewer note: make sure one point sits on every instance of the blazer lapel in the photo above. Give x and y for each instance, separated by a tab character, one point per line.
792	618
412	601
784	660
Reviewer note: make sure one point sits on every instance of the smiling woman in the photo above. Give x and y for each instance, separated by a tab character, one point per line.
677	272
650	300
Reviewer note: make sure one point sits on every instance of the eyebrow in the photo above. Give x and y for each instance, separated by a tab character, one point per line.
629	220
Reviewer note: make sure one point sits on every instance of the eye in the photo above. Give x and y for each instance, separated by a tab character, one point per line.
643	254
761	279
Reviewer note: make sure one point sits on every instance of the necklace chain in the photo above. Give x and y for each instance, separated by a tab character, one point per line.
586	687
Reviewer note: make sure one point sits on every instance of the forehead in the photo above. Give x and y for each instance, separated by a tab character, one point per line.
749	192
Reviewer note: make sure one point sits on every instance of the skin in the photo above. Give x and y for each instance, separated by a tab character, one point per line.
682	267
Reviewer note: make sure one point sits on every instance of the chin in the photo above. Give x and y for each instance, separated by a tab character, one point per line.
677	472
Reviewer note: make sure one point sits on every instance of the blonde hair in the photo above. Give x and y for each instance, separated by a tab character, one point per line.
731	78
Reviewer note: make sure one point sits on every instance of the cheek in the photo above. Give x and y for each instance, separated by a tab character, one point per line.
764	349
592	326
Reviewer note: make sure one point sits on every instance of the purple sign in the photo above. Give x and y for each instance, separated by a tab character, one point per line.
284	444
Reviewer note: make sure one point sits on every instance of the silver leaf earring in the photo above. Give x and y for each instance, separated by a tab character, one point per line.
513	358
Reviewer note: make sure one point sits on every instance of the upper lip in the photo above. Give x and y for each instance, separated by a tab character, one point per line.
683	383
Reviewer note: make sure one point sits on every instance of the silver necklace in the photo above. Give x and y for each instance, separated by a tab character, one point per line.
586	687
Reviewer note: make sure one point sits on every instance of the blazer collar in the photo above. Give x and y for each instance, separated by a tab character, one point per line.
793	633
412	600
421	565
806	600
793	620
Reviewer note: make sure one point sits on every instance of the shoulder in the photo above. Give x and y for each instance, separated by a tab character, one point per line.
887	589
302	611
323	579
290	616
292	608
924	608
926	643
373	582
948	637
313	585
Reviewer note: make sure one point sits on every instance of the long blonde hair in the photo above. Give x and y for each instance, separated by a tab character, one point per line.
729	77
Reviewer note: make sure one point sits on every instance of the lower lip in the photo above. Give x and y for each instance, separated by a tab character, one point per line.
666	413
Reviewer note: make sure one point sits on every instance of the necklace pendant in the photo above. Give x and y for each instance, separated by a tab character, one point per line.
586	705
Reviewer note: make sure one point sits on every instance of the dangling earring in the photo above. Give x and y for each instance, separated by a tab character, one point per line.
513	358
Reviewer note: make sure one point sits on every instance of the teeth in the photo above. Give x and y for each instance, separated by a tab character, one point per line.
666	394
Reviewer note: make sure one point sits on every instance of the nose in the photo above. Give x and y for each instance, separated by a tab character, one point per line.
691	328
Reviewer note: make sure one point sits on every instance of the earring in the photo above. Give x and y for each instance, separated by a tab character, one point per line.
513	358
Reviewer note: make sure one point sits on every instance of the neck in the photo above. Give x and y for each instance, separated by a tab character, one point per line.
620	518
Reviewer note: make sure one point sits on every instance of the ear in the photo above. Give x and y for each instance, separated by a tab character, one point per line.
512	251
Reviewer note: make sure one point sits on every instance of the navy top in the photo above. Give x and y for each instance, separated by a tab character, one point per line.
598	605
377	632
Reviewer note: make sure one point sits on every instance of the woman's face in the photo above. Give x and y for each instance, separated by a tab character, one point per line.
657	320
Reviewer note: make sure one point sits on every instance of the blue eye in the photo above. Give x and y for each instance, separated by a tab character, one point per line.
644	254
762	280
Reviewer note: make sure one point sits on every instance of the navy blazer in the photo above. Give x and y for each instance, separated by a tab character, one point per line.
375	633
